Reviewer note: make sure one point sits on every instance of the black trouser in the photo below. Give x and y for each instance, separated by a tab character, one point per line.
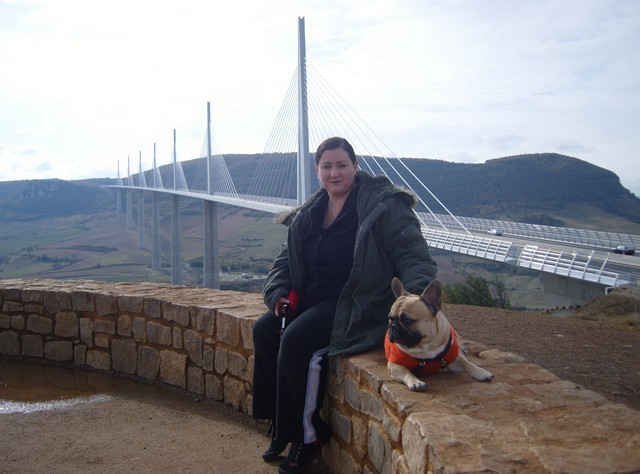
282	364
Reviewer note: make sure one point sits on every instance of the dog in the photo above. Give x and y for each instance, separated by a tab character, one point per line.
420	340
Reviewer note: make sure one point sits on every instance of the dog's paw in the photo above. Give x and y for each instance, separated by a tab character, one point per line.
486	376
417	386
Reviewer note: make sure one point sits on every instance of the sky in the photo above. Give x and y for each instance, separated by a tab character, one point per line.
85	84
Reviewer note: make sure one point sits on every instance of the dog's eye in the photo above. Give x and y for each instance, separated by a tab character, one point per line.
406	320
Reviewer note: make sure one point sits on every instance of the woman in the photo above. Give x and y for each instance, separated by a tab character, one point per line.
343	247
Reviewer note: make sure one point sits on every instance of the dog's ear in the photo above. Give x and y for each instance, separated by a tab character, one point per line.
397	287
433	294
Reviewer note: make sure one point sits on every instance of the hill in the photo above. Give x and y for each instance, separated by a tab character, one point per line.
37	199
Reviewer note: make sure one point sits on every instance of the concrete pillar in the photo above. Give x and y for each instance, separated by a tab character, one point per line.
176	251
130	223
141	219
211	259
118	201
155	232
563	291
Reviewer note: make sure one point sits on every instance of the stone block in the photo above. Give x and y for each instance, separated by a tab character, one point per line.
158	333
195	380
177	338
86	331
56	301
60	351
83	301
148	362
66	324
371	405
379	448
100	360
399	463
246	332
221	361
152	308
208	356
179	314
80	354
130	304
205	320
139	329
124	355
352	393
12	307
9	343
17	322
248	372
5	321
193	346
33	308
341	426
359	430
124	325
106	305
14	294
415	444
236	364
173	368
102	340
330	452
32	296
214	388
392	425
247	406
39	324
32	345
335	389
234	392
347	464
227	329
105	326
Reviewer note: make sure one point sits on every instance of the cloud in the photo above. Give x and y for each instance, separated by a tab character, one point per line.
92	82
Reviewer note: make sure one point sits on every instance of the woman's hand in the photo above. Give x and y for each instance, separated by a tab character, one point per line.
277	308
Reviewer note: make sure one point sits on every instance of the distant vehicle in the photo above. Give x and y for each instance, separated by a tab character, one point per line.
495	231
625	249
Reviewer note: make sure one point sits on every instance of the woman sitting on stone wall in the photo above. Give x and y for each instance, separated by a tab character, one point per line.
332	279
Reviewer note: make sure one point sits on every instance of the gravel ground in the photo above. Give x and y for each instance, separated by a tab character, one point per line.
595	354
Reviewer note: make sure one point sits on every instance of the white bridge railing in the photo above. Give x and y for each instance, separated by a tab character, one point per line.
581	267
483	247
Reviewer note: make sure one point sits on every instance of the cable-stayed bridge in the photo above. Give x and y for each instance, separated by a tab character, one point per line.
284	178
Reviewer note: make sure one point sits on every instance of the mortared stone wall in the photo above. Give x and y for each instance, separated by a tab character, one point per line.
526	420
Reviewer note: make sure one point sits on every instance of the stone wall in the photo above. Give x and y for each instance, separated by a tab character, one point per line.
526	420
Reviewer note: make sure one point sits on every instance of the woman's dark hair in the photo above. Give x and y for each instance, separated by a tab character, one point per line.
333	143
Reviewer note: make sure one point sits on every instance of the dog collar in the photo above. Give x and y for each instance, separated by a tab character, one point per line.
441	357
424	366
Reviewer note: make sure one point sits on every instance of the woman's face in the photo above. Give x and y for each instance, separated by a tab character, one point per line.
336	172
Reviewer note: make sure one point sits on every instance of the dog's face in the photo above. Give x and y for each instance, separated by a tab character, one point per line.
412	318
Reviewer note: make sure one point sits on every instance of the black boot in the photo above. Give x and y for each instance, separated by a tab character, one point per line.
274	450
276	447
298	458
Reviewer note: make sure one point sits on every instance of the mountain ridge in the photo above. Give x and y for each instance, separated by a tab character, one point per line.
542	188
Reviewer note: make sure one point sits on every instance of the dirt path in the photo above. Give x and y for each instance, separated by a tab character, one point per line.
135	428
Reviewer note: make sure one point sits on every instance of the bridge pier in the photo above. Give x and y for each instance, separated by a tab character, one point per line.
129	196
176	250
155	232
563	291
141	219
211	260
